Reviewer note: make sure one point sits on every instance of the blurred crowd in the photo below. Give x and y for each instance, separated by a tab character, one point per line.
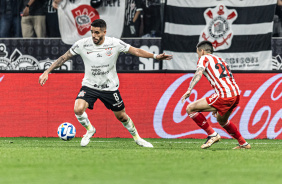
277	25
28	18
39	18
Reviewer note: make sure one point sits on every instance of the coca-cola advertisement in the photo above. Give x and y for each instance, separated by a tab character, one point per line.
152	100
257	115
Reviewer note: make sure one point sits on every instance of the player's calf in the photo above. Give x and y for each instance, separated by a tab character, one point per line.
129	125
233	131
84	121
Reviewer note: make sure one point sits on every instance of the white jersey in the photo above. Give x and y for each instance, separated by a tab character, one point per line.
100	62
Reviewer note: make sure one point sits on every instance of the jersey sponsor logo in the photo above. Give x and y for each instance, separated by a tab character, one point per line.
88	45
109	51
99	72
108	45
213	97
103	86
218	26
118	104
100	66
99	55
81	93
84	15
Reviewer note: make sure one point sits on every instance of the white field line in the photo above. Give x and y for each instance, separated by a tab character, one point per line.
153	142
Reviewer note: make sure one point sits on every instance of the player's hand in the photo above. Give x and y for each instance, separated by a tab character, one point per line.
164	56
55	4
186	95
43	78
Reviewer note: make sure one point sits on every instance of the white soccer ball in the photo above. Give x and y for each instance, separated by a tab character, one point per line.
66	131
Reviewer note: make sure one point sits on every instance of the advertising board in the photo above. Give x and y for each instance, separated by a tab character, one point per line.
152	100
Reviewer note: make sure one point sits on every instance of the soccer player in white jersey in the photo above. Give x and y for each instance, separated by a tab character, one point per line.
100	81
221	103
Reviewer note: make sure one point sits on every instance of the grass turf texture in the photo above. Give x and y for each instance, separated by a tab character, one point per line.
116	160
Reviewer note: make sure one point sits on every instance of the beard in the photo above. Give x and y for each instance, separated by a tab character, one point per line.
97	41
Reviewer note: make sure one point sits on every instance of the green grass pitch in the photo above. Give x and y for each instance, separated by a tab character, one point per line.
121	161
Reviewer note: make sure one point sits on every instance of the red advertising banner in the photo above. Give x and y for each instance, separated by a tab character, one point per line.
151	100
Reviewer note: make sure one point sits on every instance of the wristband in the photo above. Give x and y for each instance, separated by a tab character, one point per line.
27	5
155	56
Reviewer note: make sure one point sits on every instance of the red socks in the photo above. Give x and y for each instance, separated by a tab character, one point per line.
233	131
201	121
230	127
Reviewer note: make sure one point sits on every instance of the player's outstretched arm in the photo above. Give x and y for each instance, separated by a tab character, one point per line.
59	62
198	75
142	53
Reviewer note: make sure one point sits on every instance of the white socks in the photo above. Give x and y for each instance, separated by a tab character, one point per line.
131	128
84	121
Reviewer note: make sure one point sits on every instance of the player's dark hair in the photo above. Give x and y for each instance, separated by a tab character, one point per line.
206	46
99	23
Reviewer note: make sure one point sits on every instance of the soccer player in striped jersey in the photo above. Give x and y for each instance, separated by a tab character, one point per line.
221	103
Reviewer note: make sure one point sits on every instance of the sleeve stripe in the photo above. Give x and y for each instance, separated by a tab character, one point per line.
73	52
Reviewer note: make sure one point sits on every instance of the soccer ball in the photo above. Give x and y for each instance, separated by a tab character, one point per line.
66	131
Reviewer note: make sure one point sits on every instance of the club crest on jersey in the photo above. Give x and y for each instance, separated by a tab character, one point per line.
81	94
84	15
218	26
109	51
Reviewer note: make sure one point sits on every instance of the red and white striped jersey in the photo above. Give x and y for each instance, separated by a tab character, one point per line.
219	75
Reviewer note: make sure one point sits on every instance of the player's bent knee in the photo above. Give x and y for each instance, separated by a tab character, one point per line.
122	117
78	110
189	109
221	120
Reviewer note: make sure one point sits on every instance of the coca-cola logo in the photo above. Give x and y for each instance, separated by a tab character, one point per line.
257	115
271	121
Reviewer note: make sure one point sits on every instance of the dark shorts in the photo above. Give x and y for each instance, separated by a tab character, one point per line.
223	105
111	99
